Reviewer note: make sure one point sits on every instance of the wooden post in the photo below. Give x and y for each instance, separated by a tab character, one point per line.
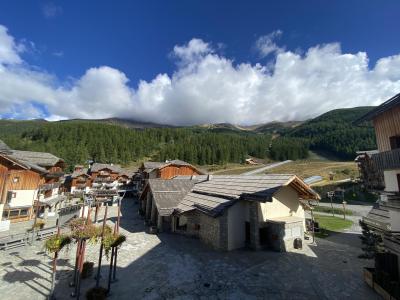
54	269
101	248
110	271
344	210
116	249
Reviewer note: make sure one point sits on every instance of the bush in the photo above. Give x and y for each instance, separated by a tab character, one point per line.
56	243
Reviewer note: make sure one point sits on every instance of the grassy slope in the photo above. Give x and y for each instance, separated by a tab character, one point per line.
329	224
308	168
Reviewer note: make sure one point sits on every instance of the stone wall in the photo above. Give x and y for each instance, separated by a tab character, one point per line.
282	235
211	231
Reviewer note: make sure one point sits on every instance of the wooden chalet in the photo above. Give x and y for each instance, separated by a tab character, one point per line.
164	170
28	180
385	216
104	175
79	181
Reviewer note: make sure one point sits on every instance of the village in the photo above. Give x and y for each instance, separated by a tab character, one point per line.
177	231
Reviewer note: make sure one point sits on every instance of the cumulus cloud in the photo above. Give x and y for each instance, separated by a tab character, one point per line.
266	44
206	87
51	10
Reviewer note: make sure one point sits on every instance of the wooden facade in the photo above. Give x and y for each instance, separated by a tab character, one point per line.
170	171
14	177
387	124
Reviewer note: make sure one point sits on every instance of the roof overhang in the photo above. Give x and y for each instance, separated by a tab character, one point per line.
387	105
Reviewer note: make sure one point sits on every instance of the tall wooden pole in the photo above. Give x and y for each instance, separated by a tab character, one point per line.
101	248
116	249
54	269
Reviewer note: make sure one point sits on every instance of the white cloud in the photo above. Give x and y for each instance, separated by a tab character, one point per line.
51	10
205	87
266	45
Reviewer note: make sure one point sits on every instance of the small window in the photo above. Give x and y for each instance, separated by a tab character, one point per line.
16	179
394	142
14	213
13	195
24	212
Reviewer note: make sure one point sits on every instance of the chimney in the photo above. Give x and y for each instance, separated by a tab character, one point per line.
209	177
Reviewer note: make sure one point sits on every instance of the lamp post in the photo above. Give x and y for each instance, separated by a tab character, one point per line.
344	209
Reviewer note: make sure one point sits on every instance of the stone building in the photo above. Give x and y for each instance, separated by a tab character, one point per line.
230	212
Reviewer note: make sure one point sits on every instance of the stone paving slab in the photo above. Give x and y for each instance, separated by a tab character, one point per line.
168	266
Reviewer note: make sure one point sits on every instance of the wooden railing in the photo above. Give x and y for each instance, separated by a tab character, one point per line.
387	160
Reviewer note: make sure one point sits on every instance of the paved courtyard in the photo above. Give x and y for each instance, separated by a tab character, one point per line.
167	266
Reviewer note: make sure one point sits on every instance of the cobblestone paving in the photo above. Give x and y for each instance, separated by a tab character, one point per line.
169	266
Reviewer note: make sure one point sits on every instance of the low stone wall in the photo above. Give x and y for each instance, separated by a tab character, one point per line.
211	231
282	235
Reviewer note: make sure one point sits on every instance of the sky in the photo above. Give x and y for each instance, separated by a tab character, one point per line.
195	62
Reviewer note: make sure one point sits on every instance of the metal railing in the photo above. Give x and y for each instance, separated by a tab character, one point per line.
387	160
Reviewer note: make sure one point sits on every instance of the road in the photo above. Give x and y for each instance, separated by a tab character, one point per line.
267	167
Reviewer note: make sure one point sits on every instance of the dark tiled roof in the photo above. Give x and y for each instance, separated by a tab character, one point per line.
219	192
41	159
4	148
81	172
98	166
169	193
389	104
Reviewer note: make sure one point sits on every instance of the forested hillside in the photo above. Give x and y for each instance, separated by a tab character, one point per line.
335	132
78	141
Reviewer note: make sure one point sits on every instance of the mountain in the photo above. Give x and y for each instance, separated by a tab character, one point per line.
132	124
335	132
123	141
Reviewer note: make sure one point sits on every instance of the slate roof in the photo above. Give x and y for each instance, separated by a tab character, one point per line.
41	159
4	148
219	192
78	173
152	165
197	178
99	166
387	105
169	193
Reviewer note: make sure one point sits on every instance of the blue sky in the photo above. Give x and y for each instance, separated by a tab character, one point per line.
68	51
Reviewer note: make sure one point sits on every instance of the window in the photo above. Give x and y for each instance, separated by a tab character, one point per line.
16	179
23	212
196	226
13	195
395	142
13	213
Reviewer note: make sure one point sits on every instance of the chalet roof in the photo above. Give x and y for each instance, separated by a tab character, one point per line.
4	148
42	159
219	192
385	106
168	194
99	166
369	152
78	173
23	164
197	178
152	165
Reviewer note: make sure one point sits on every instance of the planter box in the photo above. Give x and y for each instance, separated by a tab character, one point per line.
369	276
385	295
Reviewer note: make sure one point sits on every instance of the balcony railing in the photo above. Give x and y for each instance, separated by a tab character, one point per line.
387	160
54	174
49	186
101	179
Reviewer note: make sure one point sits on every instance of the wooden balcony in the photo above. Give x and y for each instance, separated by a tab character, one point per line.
387	160
49	186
